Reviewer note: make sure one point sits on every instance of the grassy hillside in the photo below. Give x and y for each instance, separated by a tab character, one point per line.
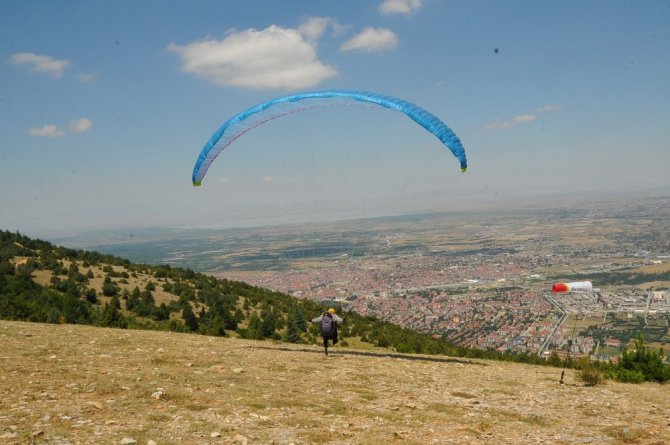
68	384
46	283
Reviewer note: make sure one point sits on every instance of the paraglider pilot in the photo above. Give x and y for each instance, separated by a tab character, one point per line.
328	322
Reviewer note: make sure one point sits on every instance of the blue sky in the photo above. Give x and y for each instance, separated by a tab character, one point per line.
105	105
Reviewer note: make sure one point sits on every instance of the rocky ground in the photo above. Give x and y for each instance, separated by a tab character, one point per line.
64	384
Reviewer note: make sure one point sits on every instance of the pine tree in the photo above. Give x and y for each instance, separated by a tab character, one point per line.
218	327
109	287
300	319
133	299
146	296
111	317
268	324
645	362
91	296
190	320
292	334
254	331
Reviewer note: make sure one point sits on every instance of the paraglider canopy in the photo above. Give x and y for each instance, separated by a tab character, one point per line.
245	121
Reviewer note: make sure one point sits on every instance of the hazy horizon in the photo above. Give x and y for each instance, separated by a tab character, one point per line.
130	233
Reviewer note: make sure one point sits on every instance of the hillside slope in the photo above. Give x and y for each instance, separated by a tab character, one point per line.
40	282
68	384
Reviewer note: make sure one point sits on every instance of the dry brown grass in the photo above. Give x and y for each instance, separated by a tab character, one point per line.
64	384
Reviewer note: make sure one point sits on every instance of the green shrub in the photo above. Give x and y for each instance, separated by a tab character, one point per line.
590	374
642	361
627	376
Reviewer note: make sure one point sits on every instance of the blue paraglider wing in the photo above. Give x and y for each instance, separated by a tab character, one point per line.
238	125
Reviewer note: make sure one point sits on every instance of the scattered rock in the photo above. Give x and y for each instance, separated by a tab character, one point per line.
238	370
151	442
215	434
240	440
127	441
96	405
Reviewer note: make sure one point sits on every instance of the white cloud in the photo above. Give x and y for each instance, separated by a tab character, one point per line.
81	125
371	39
275	57
498	125
524	118
399	6
314	27
516	120
85	77
548	108
520	119
47	131
41	64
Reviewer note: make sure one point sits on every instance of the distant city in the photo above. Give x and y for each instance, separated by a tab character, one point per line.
477	279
